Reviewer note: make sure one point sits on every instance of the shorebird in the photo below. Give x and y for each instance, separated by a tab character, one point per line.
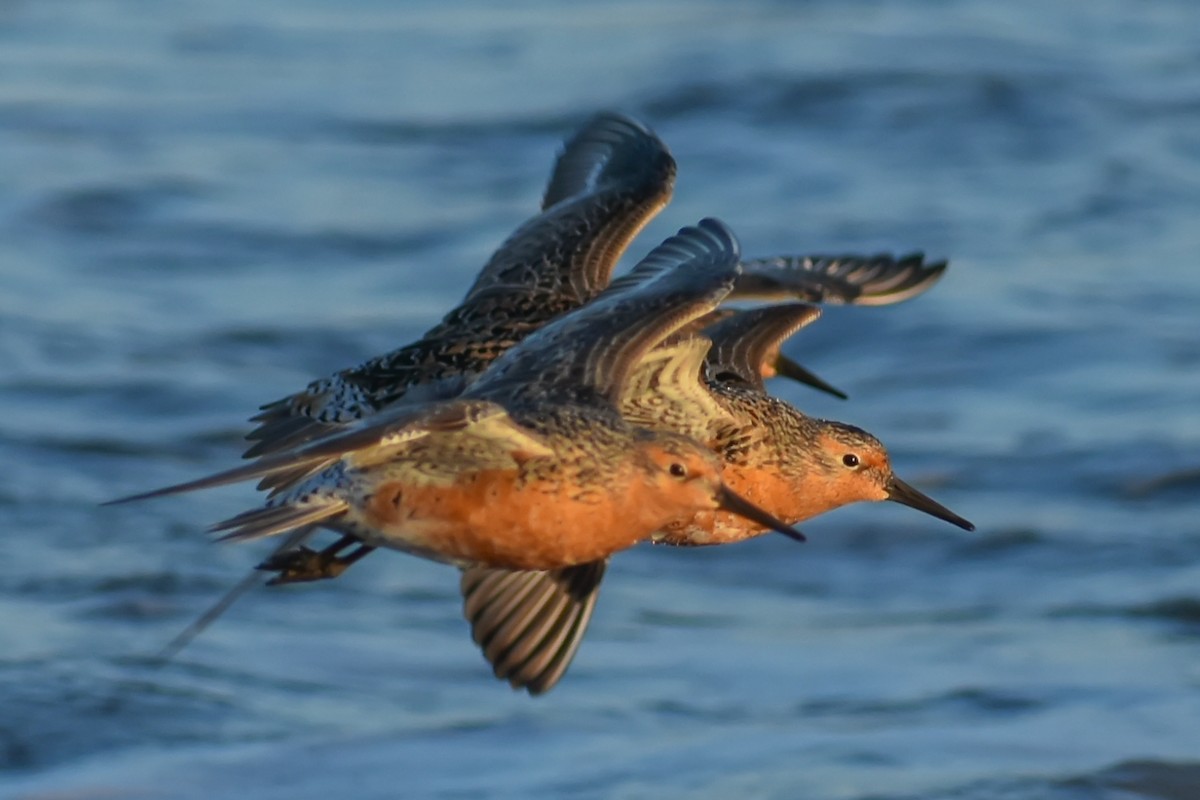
610	179
876	280
532	467
710	387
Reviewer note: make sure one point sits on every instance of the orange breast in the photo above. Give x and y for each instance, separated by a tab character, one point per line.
766	488
496	518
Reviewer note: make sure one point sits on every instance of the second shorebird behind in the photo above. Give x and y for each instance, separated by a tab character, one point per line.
795	465
710	388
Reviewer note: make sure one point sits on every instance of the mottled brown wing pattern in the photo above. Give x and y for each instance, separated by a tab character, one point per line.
611	179
595	347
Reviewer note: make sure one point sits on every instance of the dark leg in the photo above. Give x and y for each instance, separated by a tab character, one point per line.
305	564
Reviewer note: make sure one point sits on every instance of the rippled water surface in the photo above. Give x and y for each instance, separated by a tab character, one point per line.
206	205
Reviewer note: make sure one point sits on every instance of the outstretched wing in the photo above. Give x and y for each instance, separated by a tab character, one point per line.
861	280
611	179
746	344
530	624
594	348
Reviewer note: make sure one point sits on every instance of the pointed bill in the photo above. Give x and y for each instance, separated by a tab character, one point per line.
785	367
900	492
731	501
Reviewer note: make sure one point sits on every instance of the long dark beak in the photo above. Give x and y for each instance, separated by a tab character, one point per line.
900	492
790	369
731	501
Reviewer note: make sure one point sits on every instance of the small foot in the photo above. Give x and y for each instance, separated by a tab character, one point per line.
301	565
304	564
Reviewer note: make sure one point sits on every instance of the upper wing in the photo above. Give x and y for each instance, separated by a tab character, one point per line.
292	422
746	343
865	281
611	179
529	624
594	348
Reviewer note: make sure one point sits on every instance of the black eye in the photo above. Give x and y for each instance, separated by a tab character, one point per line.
850	460
678	470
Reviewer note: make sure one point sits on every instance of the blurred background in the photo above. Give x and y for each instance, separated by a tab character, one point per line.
205	205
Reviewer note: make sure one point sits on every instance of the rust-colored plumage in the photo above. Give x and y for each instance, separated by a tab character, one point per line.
612	177
532	467
792	465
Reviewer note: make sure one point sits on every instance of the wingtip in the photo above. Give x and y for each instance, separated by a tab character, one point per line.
930	271
913	277
609	147
726	239
709	242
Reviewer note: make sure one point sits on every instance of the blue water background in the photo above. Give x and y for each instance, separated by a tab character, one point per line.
205	205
